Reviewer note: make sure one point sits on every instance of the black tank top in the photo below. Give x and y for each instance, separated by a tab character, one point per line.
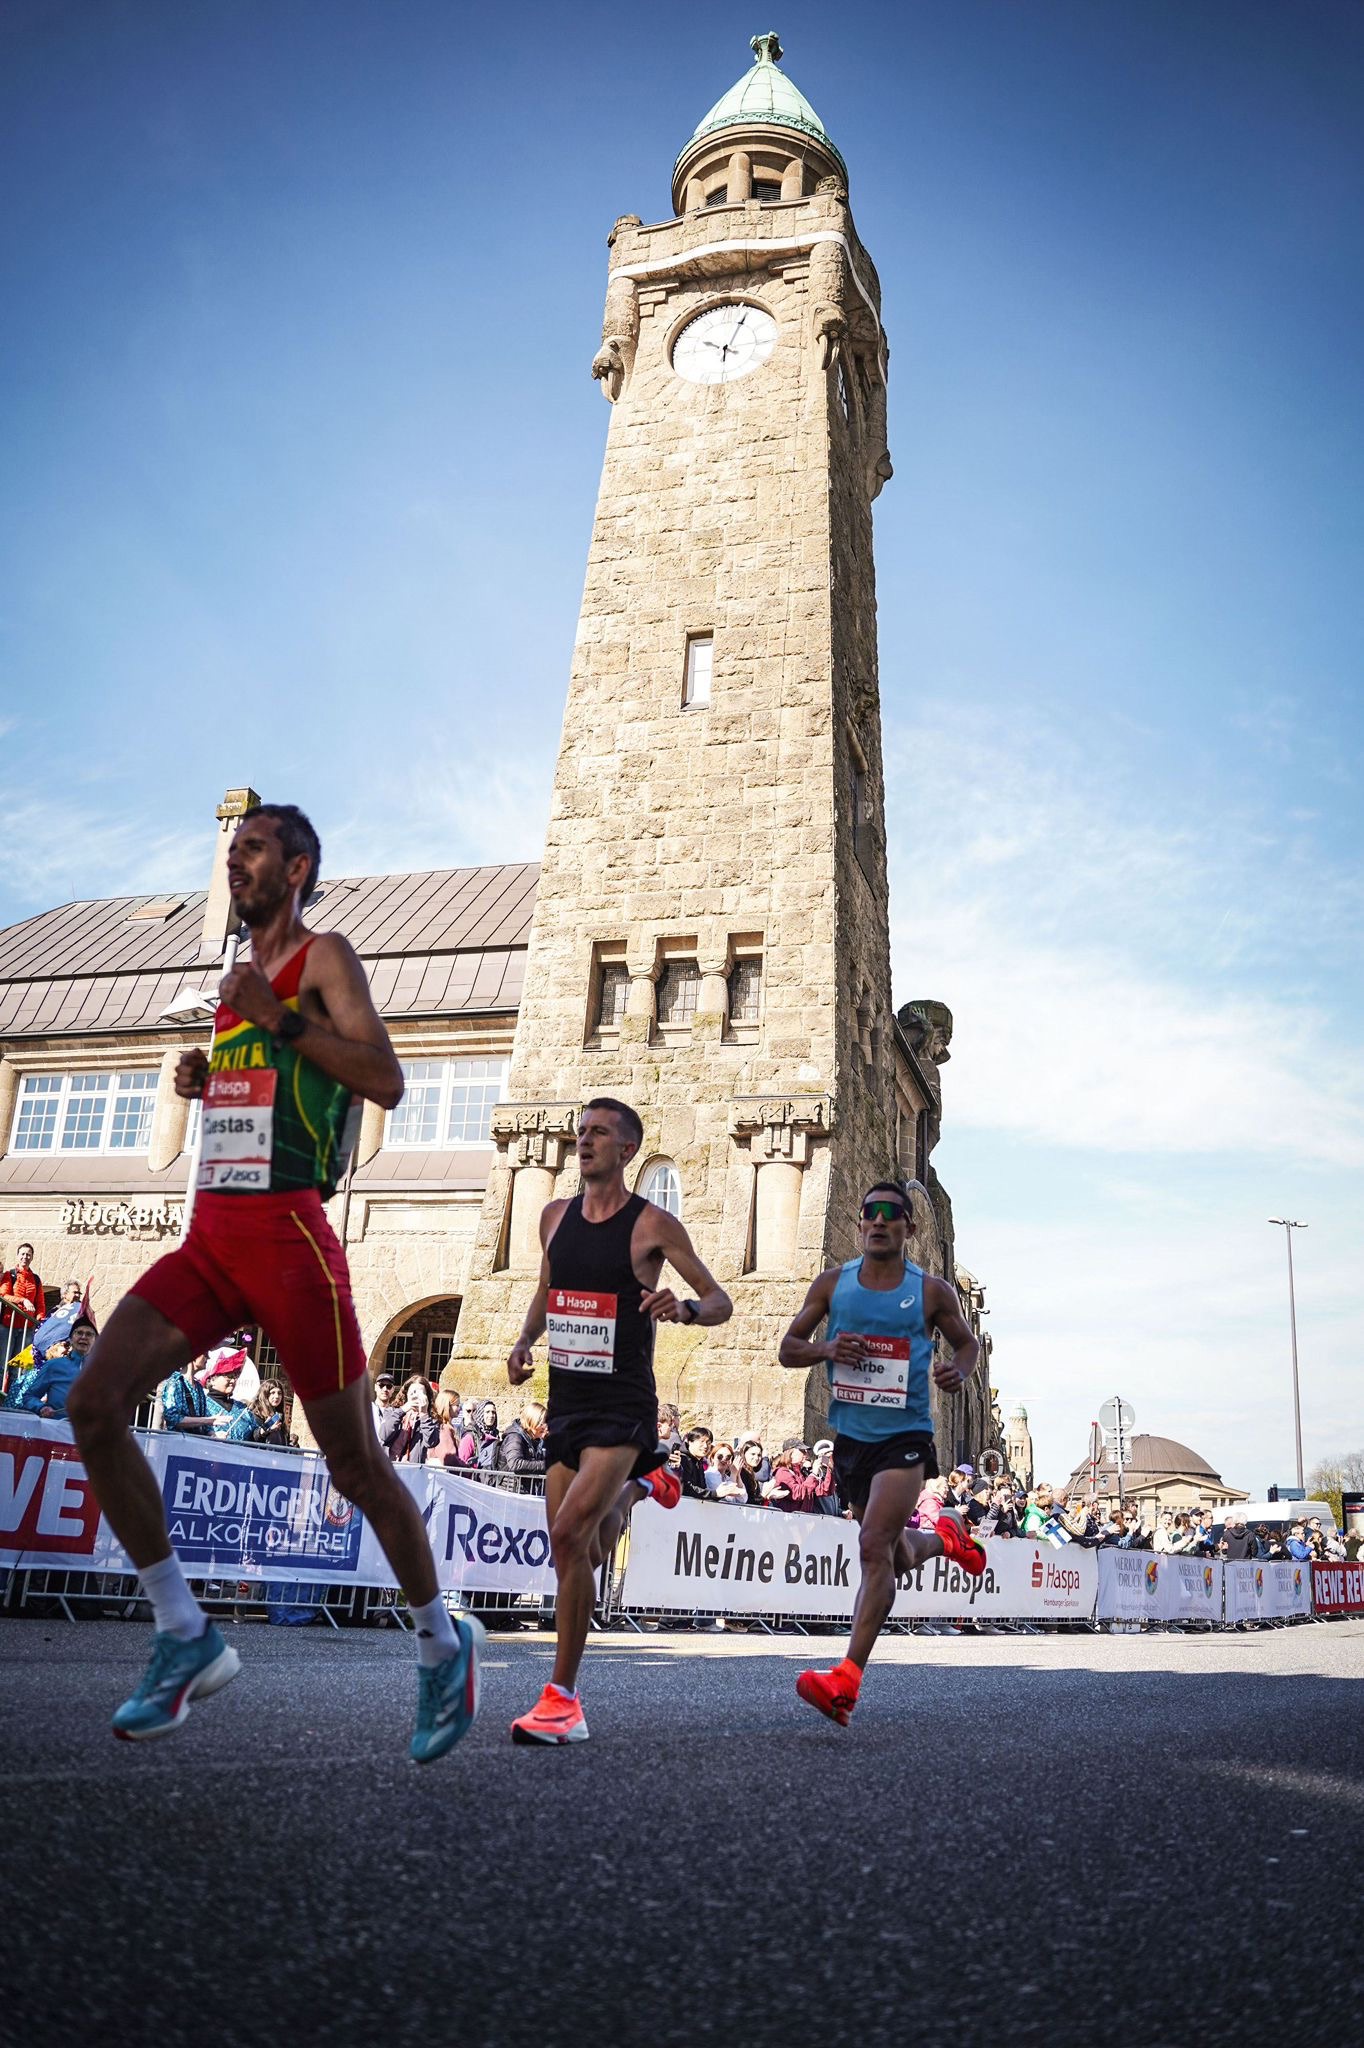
601	1349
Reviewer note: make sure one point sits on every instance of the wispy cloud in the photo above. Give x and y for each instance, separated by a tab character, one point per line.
1106	961
50	856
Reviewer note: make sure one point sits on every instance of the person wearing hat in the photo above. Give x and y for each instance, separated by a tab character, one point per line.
46	1392
881	1314
828	1501
387	1414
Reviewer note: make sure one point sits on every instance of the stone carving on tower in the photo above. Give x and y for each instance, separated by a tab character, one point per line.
710	938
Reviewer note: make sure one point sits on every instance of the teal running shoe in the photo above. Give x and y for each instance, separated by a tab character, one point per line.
447	1696
178	1673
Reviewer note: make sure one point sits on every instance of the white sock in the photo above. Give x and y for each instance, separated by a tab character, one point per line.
176	1611
565	1692
436	1638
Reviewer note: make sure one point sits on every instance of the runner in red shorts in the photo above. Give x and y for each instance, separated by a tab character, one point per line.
297	1043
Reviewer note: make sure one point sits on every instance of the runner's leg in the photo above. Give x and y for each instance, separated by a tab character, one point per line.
578	1503
360	1468
883	1542
137	1349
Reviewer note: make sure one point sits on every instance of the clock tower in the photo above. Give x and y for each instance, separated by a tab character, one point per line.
710	938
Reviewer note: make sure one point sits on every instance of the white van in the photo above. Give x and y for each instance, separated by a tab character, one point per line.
1278	1514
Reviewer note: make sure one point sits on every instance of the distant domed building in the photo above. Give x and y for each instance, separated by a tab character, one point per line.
1162	1474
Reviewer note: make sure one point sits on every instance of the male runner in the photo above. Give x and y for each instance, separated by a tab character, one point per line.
882	1312
599	1299
296	1038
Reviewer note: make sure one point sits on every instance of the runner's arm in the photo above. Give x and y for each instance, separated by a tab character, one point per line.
942	1312
713	1305
352	1046
520	1364
796	1346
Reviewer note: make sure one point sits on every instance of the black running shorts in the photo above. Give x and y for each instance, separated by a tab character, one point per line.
569	1436
857	1462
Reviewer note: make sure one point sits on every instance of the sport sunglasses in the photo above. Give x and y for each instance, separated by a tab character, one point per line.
882	1212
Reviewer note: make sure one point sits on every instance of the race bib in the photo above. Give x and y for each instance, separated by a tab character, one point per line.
881	1380
582	1331
239	1131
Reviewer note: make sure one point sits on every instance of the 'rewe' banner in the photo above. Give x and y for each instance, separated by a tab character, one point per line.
712	1559
1338	1588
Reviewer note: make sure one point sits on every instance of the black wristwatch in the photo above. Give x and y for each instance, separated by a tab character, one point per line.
695	1315
291	1025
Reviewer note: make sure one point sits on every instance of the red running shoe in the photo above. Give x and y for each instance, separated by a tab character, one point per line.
552	1720
829	1692
963	1548
664	1485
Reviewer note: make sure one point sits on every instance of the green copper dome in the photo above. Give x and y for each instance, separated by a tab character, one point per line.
765	96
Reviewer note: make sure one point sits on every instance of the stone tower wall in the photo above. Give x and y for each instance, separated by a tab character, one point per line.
742	511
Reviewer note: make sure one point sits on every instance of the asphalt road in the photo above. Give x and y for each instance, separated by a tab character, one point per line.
1158	1841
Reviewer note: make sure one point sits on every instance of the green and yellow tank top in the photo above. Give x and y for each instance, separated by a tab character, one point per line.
272	1120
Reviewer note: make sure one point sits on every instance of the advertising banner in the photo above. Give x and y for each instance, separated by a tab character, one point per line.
238	1512
485	1539
48	1511
1190	1588
1130	1586
1338	1588
712	1559
1266	1592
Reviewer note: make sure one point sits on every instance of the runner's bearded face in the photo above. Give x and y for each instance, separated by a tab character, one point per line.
259	878
883	1226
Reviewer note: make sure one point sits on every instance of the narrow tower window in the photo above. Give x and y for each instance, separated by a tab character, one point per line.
745	990
615	986
696	678
661	1185
764	188
678	987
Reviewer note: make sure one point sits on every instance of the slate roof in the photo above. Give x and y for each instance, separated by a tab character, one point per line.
437	942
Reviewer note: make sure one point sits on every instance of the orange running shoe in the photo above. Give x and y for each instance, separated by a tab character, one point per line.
664	1485
828	1691
958	1544
552	1719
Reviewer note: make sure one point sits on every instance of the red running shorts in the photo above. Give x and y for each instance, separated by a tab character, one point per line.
267	1259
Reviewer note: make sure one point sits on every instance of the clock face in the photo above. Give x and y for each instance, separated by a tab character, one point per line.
723	343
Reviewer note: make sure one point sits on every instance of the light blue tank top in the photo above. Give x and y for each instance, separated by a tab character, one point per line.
888	1393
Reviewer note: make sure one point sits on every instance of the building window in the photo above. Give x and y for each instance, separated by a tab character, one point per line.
696	679
678	987
615	987
448	1102
718	196
843	399
745	991
661	1185
439	1348
398	1355
265	1354
766	188
85	1113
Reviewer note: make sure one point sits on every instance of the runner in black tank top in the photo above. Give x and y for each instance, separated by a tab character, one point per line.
601	1348
598	1300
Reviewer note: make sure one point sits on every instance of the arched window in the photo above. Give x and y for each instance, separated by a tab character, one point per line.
661	1184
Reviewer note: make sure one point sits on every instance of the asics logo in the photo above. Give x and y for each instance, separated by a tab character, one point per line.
909	1303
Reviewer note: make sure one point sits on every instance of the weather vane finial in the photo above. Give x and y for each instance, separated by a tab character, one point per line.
767	49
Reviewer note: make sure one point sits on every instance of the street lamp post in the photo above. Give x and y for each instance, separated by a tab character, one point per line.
1288	1227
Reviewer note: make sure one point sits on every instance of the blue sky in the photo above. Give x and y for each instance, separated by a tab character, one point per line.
300	456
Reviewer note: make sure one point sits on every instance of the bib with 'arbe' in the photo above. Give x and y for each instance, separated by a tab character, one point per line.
880	1380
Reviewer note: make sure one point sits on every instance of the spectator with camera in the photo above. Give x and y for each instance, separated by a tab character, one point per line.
418	1432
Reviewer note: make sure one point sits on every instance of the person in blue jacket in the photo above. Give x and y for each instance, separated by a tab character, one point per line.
46	1392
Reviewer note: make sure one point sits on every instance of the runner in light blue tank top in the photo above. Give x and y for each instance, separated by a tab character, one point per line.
881	1314
886	1393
